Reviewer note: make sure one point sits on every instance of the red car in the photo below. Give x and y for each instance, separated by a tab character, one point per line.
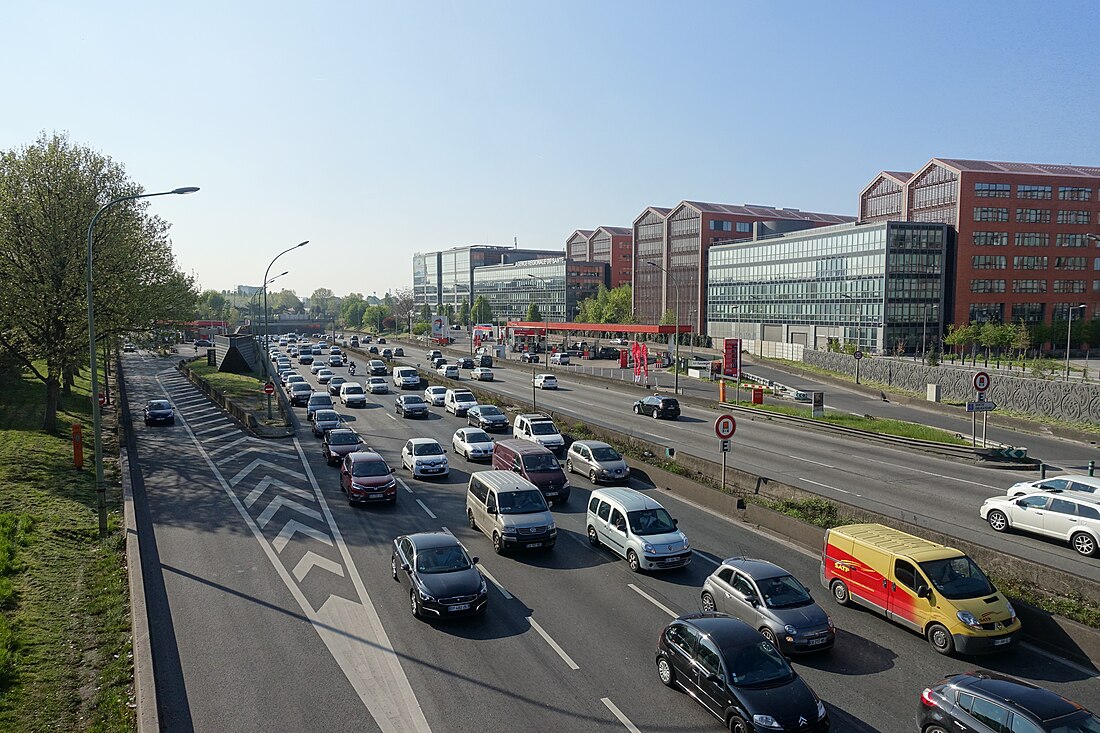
339	443
366	478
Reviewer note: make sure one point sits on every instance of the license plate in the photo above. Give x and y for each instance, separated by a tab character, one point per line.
375	496
1002	642
459	607
534	544
815	642
551	493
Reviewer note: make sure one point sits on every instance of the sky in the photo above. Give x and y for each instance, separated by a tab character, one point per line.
378	129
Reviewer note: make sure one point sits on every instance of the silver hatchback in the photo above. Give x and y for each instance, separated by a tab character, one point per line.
772	601
597	460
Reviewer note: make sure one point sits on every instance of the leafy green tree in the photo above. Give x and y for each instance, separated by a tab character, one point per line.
608	306
374	317
463	315
533	312
321	301
449	311
284	301
961	336
425	313
352	309
668	318
1021	338
482	312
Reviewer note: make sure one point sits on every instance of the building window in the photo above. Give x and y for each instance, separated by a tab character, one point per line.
1069	263
982	312
1027	312
1033	216
1069	286
1073	216
990	239
1072	240
992	190
989	262
1096	286
1074	193
745	227
721	226
1032	192
990	213
1029	263
987	286
1032	239
1029	286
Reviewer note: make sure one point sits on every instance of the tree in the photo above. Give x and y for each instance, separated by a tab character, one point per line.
608	306
284	301
463	315
373	317
482	312
320	302
1021	338
668	318
449	312
533	312
425	315
402	305
352	309
961	335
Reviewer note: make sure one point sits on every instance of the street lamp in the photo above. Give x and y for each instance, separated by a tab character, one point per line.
252	301
676	289
97	430
1069	328
546	331
924	334
859	330
267	315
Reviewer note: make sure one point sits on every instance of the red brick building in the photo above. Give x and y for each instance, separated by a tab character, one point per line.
1022	253
613	245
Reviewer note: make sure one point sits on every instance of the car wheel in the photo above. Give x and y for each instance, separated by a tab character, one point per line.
498	544
632	561
840	592
654	415
664	671
997	520
707	603
768	634
933	729
470	519
393	567
1084	543
592	476
569	465
738	725
414	603
637	410
940	639
593	538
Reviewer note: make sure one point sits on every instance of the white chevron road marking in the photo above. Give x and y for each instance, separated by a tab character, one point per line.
311	560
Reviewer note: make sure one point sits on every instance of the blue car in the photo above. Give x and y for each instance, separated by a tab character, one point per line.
159	411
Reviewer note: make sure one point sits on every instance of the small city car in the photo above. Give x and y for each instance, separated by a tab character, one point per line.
323	375
377	368
410	405
487	417
450	371
597	460
367	479
737	675
482	374
529	357
325	420
464	362
377	385
335	360
334	385
474	444
353	395
300	394
398	351
546	381
158	411
657	406
317	401
560	358
293	379
987	702
338	443
442	580
637	529
435	396
771	600
1070	516
424	457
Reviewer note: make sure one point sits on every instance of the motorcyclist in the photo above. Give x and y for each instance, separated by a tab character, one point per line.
345	358
351	368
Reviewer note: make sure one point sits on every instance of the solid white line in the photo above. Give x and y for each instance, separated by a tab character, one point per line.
826	486
652	600
391	417
425	508
807	460
1091	673
703	557
493	580
404	485
937	475
553	644
619	714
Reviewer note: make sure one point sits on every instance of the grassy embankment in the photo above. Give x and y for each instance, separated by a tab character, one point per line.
65	659
244	390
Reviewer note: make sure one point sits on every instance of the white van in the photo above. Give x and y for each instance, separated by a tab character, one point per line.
510	510
406	378
458	401
636	528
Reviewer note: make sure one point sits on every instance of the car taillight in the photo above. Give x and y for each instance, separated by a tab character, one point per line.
927	697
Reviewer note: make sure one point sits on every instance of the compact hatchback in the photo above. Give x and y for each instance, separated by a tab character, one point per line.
597	460
435	396
410	405
338	443
473	444
424	457
487	417
325	420
158	411
657	407
546	381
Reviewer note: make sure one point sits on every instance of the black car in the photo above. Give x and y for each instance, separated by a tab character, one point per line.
442	580
737	675
398	351
657	406
438	362
465	362
381	341
984	702
484	361
372	350
338	443
529	357
487	417
159	411
387	353
606	352
410	405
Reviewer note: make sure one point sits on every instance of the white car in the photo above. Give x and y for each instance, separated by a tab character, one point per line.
377	385
291	380
316	367
482	374
1070	516
559	358
323	375
546	381
435	396
424	457
1066	482
473	444
450	371
458	401
352	394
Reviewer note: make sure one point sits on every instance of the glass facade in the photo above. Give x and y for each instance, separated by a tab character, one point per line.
426	279
876	285
558	287
884	201
447	277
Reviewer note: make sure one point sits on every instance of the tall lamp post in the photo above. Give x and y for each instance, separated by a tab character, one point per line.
546	332
924	333
97	428
267	314
859	328
1069	329
255	295
675	289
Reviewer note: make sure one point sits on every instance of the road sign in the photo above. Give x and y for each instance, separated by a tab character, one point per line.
981	382
269	388
981	406
724	445
858	355
102	399
725	426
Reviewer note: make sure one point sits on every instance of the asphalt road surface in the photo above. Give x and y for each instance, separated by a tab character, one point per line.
273	607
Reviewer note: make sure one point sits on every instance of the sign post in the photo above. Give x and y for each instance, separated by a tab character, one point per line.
858	356
724	427
981	384
269	389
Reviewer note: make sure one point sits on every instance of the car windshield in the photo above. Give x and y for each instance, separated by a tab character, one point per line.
377	380
544	427
352	389
477	436
295	378
160	405
783	592
362	469
490	410
427	449
957	577
1081	722
326	416
437	391
442	560
543	462
650	521
606	453
521	502
301	387
465	397
410	400
757	665
343	439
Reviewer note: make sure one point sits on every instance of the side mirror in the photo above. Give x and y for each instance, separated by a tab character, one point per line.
490	510
475	560
752	600
405	567
393	470
923	591
675	522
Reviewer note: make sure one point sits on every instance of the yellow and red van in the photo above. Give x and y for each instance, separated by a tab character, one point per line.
937	591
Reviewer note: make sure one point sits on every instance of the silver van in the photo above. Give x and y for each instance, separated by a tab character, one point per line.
510	510
406	378
636	528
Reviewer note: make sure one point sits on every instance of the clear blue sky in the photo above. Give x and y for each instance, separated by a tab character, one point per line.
376	129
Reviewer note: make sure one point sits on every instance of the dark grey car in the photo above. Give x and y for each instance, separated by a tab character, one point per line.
772	601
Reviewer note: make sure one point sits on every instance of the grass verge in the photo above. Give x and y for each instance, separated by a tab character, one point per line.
243	390
65	634
881	425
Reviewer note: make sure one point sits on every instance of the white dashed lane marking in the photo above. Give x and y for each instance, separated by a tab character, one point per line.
553	644
652	600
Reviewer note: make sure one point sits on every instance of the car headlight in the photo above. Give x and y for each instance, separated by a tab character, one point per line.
391	484
790	630
424	595
509	530
482	589
820	710
646	547
766	721
1011	612
829	619
968	618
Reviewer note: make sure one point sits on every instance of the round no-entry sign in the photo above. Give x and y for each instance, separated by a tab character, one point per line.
981	382
269	388
725	426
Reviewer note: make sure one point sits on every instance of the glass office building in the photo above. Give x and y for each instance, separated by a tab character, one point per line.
447	277
880	286
556	285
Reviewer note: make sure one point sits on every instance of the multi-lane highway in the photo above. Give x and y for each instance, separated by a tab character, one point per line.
273	607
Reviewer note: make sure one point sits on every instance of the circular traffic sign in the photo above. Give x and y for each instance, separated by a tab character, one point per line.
858	355
725	426
981	381
269	388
